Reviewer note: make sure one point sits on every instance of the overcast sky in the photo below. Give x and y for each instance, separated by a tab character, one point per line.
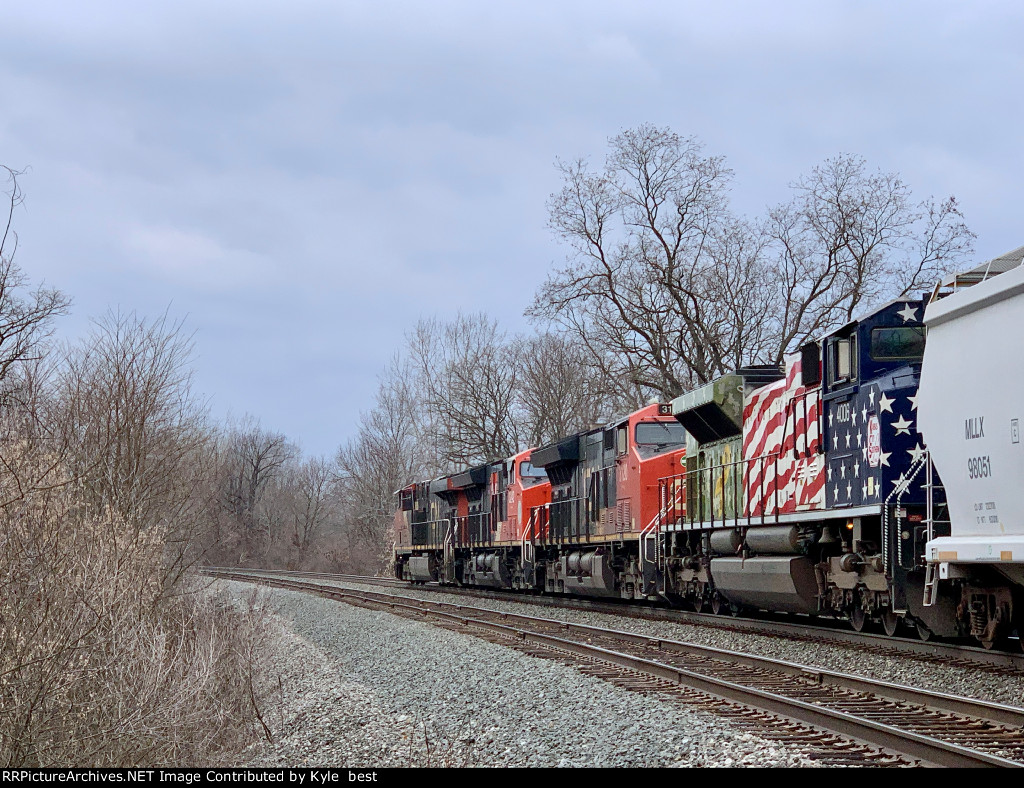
302	181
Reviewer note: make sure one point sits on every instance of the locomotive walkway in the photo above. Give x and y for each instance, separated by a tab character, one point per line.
773	698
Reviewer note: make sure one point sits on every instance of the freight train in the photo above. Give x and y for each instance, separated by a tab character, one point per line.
806	488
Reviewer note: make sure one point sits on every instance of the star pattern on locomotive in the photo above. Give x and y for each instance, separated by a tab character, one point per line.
908	313
873	444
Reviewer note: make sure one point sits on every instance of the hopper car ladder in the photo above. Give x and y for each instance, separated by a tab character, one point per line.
931	572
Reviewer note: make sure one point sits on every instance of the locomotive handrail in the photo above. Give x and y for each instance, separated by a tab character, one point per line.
741	474
546	536
468	536
431	532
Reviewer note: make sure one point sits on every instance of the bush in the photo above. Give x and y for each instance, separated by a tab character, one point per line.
102	661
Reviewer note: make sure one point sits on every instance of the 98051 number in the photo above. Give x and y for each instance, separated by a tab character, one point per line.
979	467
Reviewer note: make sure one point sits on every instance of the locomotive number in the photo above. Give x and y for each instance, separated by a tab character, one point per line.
843	411
979	467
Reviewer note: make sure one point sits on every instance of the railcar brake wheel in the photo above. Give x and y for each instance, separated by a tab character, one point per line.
890	621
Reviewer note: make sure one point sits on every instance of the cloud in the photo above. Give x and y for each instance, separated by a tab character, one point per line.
192	259
306	180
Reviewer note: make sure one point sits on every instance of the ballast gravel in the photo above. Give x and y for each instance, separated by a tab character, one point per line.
356	688
968	681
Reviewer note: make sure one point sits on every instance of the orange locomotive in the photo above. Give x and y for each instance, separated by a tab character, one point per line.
577	516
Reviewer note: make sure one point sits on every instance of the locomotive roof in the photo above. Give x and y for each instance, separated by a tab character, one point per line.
997	265
972	276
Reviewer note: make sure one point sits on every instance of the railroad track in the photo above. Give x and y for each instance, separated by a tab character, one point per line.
993	661
838	718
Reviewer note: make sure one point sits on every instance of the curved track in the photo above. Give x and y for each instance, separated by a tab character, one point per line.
822	631
822	710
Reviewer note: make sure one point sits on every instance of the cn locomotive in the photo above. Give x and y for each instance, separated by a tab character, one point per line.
807	488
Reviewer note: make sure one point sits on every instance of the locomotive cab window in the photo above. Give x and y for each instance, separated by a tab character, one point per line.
843	359
622	439
527	471
898	343
660	433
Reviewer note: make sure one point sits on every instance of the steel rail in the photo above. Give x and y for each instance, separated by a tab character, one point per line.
926	748
820	632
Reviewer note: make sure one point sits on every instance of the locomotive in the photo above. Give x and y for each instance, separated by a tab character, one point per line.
805	488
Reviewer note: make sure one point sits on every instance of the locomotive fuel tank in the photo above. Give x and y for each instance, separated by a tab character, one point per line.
785	583
422	569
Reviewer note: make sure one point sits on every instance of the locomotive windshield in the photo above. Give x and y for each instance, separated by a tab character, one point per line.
527	471
660	433
897	343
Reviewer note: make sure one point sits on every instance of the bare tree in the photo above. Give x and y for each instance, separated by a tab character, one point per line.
466	375
386	454
300	507
26	316
128	391
108	652
253	457
558	391
651	239
849	239
666	289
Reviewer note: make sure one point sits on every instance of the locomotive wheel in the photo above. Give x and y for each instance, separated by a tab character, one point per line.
700	598
890	622
858	618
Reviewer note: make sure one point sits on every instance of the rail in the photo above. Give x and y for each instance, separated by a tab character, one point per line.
936	728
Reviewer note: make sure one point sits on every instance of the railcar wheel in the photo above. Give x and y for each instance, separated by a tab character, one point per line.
926	634
890	622
717	604
858	618
699	602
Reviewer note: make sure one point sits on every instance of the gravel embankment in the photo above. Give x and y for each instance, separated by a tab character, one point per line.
359	688
952	679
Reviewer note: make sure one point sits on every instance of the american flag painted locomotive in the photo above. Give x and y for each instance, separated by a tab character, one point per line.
805	488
